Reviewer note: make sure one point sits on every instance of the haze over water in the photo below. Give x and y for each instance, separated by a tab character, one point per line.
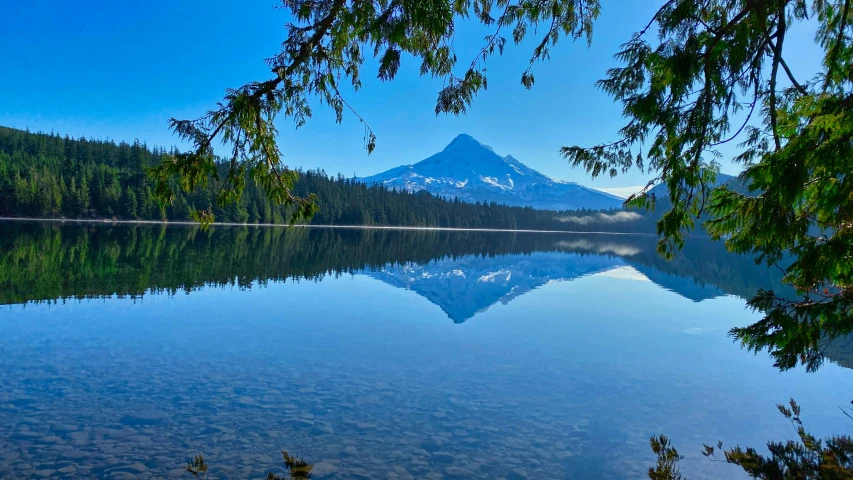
379	354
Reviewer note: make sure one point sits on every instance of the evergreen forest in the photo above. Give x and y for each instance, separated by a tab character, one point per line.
49	176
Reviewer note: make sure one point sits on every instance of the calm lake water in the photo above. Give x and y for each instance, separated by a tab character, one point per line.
124	350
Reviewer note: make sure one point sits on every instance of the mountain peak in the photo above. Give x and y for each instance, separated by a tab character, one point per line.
464	137
471	171
465	140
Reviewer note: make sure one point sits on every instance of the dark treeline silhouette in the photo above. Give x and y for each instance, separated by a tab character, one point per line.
46	175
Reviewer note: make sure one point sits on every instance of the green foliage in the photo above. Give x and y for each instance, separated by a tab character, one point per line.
806	458
51	176
325	47
714	61
666	467
198	467
296	468
805	213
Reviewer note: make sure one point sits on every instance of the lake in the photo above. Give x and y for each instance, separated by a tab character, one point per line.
125	350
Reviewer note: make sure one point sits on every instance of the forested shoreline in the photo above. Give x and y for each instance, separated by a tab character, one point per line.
130	260
49	176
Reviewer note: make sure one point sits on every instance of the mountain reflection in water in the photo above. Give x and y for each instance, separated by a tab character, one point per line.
462	272
125	349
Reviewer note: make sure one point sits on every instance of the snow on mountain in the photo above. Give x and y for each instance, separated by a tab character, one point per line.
473	172
466	286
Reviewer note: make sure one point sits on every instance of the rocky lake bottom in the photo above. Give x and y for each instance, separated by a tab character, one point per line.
518	366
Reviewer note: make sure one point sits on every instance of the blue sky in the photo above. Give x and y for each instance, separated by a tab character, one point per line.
119	70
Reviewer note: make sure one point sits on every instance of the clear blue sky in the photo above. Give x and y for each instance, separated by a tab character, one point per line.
119	70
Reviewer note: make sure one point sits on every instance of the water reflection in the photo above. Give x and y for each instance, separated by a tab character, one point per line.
336	344
49	262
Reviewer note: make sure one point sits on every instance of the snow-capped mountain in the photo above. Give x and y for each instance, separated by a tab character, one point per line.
465	286
472	172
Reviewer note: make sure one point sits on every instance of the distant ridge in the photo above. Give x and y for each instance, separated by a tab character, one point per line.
473	172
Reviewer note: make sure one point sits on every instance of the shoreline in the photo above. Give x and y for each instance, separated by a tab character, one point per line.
280	225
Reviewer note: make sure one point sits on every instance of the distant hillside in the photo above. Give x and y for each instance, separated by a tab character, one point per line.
661	192
473	172
45	175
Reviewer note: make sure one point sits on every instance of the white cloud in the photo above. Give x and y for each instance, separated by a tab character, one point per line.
698	330
585	245
601	218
